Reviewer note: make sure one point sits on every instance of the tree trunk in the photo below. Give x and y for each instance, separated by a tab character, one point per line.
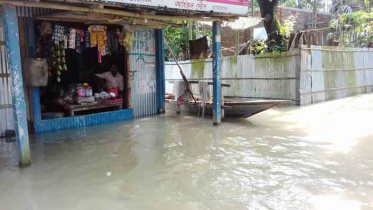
268	12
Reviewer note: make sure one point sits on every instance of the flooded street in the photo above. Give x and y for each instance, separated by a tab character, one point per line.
315	157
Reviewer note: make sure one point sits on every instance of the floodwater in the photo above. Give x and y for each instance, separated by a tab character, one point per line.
315	157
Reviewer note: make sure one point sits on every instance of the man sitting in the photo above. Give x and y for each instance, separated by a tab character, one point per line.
113	79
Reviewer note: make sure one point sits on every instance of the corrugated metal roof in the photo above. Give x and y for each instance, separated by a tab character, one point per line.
33	12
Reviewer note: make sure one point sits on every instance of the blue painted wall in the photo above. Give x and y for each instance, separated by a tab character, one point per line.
41	126
82	121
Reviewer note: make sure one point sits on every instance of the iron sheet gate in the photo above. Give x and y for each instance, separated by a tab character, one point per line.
143	71
6	112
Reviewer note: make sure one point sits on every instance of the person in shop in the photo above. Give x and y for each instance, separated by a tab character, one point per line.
113	79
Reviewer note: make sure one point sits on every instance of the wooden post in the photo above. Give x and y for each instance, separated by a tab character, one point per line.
128	101
216	72
10	23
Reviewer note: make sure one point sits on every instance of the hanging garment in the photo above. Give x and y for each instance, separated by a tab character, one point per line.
78	48
93	38
179	91
87	39
72	38
204	92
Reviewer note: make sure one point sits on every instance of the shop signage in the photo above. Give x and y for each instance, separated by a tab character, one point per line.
236	7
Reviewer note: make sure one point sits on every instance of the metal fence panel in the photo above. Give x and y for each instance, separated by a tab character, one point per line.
6	112
329	73
264	77
143	68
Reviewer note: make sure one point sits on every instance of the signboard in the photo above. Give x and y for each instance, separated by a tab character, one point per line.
235	7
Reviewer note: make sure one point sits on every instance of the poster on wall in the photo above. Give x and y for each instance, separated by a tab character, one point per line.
235	7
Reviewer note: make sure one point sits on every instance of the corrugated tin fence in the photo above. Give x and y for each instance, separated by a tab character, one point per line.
329	73
143	69
312	75
252	77
6	113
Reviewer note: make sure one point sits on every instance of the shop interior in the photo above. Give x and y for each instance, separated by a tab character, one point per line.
88	68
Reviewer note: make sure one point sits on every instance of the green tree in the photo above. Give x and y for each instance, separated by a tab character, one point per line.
352	29
178	38
271	24
303	4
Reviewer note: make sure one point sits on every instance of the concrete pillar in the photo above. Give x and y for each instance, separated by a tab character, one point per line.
18	96
216	69
160	74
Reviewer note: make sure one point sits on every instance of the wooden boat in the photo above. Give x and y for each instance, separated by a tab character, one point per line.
232	107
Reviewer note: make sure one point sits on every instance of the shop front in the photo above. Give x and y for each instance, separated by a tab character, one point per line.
94	74
82	63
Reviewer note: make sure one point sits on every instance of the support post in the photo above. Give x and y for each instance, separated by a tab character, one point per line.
160	74
31	42
10	23
34	91
216	72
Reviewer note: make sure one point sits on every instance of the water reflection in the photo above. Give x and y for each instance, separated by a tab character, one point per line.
334	202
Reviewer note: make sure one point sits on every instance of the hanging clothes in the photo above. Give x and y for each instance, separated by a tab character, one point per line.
77	40
99	39
72	38
87	39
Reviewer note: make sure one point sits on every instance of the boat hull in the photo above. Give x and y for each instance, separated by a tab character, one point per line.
240	109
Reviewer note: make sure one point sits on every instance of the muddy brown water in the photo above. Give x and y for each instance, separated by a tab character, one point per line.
314	157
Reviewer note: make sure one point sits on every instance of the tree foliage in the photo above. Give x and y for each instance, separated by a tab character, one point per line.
175	37
278	35
268	10
352	29
178	38
302	4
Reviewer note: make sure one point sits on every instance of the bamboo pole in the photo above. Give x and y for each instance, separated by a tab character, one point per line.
187	84
108	11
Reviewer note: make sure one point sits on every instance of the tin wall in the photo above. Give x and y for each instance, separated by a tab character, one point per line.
33	12
6	112
143	71
252	77
329	73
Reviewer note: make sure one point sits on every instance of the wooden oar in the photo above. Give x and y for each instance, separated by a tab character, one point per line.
182	73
